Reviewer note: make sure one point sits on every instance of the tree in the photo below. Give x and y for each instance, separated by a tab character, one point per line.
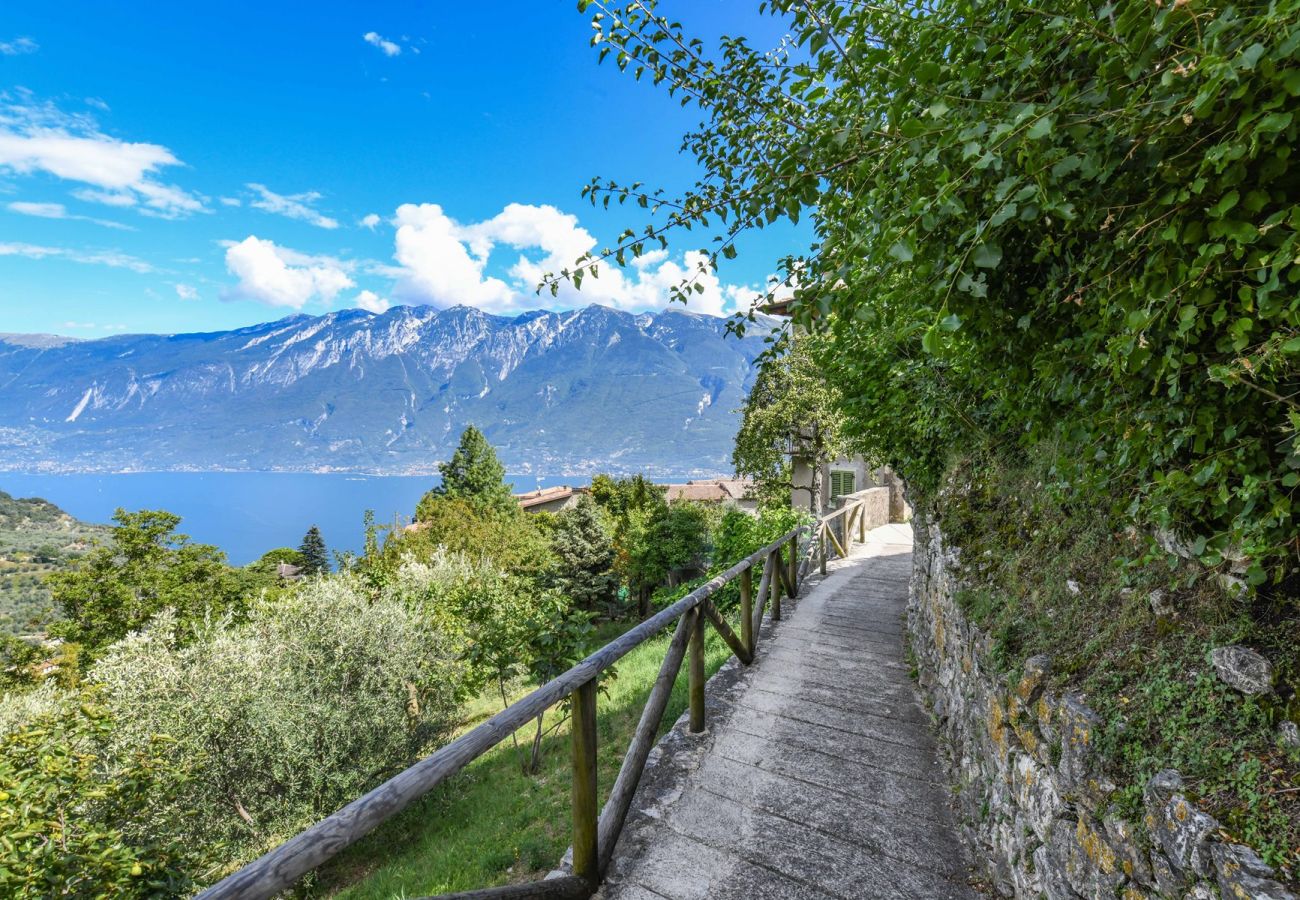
475	474
510	538
618	497
792	410
146	568
584	555
660	540
315	558
277	721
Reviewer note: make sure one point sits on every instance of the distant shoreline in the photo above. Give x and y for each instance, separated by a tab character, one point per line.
433	472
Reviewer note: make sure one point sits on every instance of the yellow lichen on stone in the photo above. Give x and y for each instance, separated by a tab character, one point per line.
1096	849
997	727
1028	739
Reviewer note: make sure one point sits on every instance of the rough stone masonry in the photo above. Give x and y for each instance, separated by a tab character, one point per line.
1032	798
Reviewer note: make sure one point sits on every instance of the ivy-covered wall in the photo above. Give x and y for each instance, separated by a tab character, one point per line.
1033	797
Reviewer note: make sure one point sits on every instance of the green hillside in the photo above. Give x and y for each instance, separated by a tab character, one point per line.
36	538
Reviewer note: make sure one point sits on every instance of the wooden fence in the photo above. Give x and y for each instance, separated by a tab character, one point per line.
782	566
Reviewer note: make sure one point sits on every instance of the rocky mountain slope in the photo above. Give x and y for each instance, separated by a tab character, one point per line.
557	392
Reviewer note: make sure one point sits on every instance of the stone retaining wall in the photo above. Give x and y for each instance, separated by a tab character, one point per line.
1032	800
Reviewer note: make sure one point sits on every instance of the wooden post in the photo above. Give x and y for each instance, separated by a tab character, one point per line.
821	536
862	524
776	584
585	809
848	529
696	671
629	774
747	609
792	584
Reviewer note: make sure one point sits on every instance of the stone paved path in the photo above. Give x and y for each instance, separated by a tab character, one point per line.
817	777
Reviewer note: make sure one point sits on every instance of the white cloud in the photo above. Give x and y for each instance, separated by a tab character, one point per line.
370	220
278	276
372	302
110	258
443	262
42	210
59	211
387	47
292	206
231	201
92	326
186	291
18	47
438	267
41	138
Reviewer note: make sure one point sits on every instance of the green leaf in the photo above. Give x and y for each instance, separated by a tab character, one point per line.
950	323
1041	128
987	256
901	252
1250	56
930	341
1226	202
1273	123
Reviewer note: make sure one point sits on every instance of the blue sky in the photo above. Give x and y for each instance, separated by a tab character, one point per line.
224	164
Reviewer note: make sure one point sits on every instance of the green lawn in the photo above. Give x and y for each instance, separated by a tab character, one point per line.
491	824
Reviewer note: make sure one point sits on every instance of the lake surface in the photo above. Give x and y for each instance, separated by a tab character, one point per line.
247	513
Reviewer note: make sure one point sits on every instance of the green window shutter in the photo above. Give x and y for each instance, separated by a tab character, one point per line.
842	483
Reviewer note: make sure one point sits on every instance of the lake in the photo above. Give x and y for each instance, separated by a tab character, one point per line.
247	513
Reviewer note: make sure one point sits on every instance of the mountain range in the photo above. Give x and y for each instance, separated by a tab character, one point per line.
570	392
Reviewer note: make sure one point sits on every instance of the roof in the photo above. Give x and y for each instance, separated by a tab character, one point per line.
719	490
547	495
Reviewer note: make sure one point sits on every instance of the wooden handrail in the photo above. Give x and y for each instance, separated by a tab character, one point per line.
594	838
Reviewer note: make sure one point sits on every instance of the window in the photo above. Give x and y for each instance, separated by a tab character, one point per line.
842	483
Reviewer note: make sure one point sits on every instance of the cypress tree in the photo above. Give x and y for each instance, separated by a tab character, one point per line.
315	558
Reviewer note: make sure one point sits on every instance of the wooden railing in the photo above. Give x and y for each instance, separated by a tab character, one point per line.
783	568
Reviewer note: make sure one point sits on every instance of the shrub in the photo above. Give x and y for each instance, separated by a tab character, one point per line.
74	819
313	700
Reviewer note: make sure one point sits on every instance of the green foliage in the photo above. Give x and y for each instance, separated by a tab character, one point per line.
315	558
269	560
618	497
584	557
148	567
475	474
1047	575
510	630
793	408
74	821
509	537
739	534
17	661
660	541
281	719
36	539
1073	228
1190	721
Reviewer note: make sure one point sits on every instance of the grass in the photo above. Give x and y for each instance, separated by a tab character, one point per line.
491	824
1054	573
